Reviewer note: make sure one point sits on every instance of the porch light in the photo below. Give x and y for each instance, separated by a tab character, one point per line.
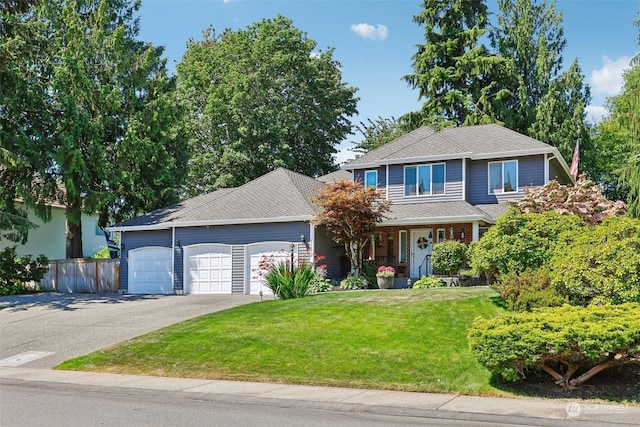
303	239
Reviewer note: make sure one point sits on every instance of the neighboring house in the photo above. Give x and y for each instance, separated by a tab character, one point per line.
49	238
449	185
444	185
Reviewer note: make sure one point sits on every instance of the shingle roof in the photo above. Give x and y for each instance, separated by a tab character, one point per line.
335	176
454	211
272	197
475	142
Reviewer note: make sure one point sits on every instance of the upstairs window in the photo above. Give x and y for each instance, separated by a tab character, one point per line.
424	180
371	179
503	177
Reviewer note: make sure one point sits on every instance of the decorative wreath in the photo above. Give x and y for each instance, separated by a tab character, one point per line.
422	243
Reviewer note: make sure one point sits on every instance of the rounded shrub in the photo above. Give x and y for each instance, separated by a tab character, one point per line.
601	264
449	257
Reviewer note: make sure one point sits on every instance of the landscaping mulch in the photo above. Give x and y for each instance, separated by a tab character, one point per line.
616	384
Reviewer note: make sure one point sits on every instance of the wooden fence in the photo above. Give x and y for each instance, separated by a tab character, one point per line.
95	276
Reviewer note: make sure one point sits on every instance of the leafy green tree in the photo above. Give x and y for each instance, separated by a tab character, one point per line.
618	139
378	132
107	134
455	74
561	341
258	99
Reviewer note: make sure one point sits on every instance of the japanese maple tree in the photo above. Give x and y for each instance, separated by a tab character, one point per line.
350	212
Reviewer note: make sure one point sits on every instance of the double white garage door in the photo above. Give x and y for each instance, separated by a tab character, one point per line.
207	268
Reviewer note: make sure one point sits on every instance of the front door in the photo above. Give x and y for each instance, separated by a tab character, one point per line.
421	247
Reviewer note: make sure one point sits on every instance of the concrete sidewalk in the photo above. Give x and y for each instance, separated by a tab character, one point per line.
447	405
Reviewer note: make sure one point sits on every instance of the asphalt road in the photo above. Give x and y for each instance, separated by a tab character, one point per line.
26	404
43	330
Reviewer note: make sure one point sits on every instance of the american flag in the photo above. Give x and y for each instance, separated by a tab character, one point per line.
575	160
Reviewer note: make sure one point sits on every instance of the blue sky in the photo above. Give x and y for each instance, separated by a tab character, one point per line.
374	41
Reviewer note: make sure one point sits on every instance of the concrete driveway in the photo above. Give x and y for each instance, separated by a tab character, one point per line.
43	330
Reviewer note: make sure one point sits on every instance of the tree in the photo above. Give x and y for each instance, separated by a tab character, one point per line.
455	74
14	224
258	99
590	339
378	132
449	257
350	212
618	139
584	199
545	102
23	46
107	134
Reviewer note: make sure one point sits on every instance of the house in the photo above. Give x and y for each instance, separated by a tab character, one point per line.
449	185
444	185
49	238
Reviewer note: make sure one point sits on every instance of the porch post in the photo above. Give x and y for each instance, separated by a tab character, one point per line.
475	231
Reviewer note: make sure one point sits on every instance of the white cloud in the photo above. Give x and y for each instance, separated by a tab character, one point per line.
595	113
373	32
608	79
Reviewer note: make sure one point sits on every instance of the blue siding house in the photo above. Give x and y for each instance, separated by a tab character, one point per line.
447	185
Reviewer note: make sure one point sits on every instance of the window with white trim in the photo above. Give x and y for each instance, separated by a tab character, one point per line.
371	179
441	235
503	177
424	179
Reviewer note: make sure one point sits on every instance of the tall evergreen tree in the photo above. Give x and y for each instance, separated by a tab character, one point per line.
107	128
545	103
456	75
261	98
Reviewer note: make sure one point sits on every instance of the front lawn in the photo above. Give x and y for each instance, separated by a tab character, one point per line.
413	340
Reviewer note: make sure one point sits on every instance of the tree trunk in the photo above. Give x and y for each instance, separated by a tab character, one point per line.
74	229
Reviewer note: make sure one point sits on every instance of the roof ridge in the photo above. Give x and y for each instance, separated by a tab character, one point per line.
312	181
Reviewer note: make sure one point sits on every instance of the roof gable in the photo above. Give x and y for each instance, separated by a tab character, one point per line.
474	142
276	196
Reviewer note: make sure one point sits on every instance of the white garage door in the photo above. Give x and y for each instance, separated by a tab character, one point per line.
207	269
254	254
150	271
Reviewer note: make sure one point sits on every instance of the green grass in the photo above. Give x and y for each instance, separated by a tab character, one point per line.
413	340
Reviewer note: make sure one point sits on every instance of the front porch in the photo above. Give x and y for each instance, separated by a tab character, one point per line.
408	248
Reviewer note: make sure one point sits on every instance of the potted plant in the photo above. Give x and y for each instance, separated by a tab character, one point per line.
385	276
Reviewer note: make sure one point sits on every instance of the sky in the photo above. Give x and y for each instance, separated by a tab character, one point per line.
374	41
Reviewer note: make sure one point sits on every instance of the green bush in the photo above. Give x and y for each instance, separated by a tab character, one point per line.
426	282
16	273
520	241
529	289
354	282
601	264
369	270
561	341
449	257
288	284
